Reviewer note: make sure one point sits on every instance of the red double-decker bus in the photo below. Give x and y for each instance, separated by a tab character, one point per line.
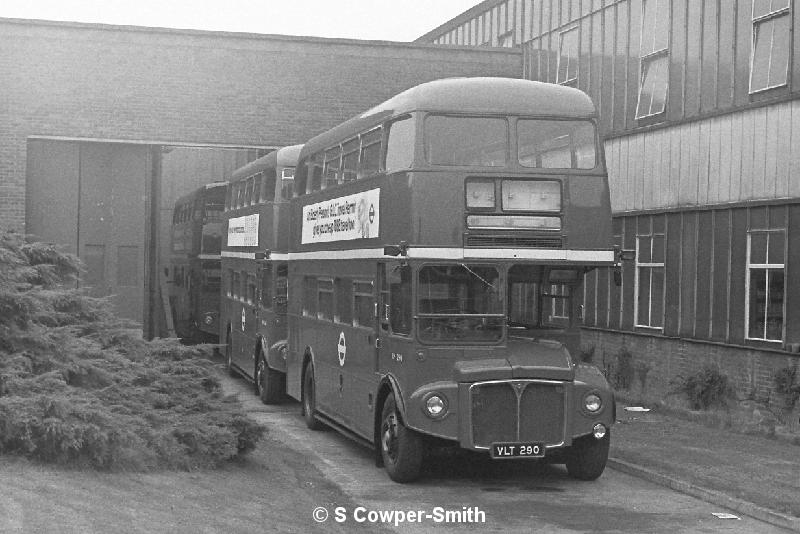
436	252
254	271
437	249
195	260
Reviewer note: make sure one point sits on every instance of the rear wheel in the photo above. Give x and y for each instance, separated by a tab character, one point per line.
586	458
269	382
309	399
401	447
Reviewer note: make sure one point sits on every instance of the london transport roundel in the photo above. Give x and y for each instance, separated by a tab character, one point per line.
341	348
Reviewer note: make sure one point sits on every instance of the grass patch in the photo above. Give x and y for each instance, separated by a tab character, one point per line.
78	386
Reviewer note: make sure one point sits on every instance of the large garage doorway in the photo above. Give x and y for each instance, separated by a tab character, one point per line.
91	199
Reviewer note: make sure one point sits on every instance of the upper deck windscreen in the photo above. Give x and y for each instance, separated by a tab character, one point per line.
557	144
469	141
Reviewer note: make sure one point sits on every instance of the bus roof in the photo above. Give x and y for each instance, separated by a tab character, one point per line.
506	96
283	157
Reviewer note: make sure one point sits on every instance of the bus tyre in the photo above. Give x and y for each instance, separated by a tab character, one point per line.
309	399
269	382
401	447
586	458
229	357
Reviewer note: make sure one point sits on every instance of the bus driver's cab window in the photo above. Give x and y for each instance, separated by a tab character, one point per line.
400	318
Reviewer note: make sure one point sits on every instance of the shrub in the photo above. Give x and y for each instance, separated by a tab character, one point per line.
705	388
786	383
79	386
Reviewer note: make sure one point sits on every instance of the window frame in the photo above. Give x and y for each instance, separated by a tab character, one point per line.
768	267
568	81
770	16
651	57
651	265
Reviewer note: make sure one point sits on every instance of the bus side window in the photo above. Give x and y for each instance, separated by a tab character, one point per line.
286	184
349	160
310	296
370	160
363	301
315	173
281	289
331	172
400	146
268	180
344	301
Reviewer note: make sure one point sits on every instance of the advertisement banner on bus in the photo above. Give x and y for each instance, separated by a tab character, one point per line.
243	231
343	218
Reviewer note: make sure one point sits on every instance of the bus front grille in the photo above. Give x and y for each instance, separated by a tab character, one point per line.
506	241
517	411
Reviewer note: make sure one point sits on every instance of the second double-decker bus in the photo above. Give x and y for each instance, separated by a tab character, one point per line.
254	271
196	236
437	249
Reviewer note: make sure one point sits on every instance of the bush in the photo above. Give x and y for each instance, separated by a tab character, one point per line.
80	387
706	388
786	383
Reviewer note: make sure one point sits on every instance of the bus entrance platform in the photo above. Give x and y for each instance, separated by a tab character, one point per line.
747	474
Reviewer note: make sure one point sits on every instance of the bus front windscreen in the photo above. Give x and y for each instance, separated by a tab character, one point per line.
466	141
557	144
459	302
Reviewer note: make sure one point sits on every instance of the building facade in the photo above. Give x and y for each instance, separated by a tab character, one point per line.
699	104
96	120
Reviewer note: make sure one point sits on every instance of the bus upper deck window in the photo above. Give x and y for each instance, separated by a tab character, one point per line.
267	185
400	146
287	183
330	175
468	141
349	160
370	160
557	144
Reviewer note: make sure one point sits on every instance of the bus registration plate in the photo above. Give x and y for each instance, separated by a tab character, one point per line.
499	451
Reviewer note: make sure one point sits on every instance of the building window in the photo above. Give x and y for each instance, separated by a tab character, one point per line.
568	57
649	283
765	285
771	44
506	40
654	58
559	302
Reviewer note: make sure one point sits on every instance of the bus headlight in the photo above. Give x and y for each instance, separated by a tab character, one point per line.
435	406
592	403
209	319
599	431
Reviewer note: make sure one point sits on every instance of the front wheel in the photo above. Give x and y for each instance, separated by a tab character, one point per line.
269	382
309	399
586	458
401	447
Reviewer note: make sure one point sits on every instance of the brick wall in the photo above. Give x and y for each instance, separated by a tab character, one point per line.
179	86
751	370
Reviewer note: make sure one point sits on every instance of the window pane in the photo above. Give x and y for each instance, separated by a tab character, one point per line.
657	297
349	160
757	302
310	296
655	26
781	44
266	287
400	298
568	56
466	141
325	291
315	171
400	146
776	246
344	302
758	248
644	249
658	249
653	92
268	186
644	296
363	312
330	175
775	305
556	144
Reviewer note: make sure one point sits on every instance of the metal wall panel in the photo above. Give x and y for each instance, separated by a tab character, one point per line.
711	45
